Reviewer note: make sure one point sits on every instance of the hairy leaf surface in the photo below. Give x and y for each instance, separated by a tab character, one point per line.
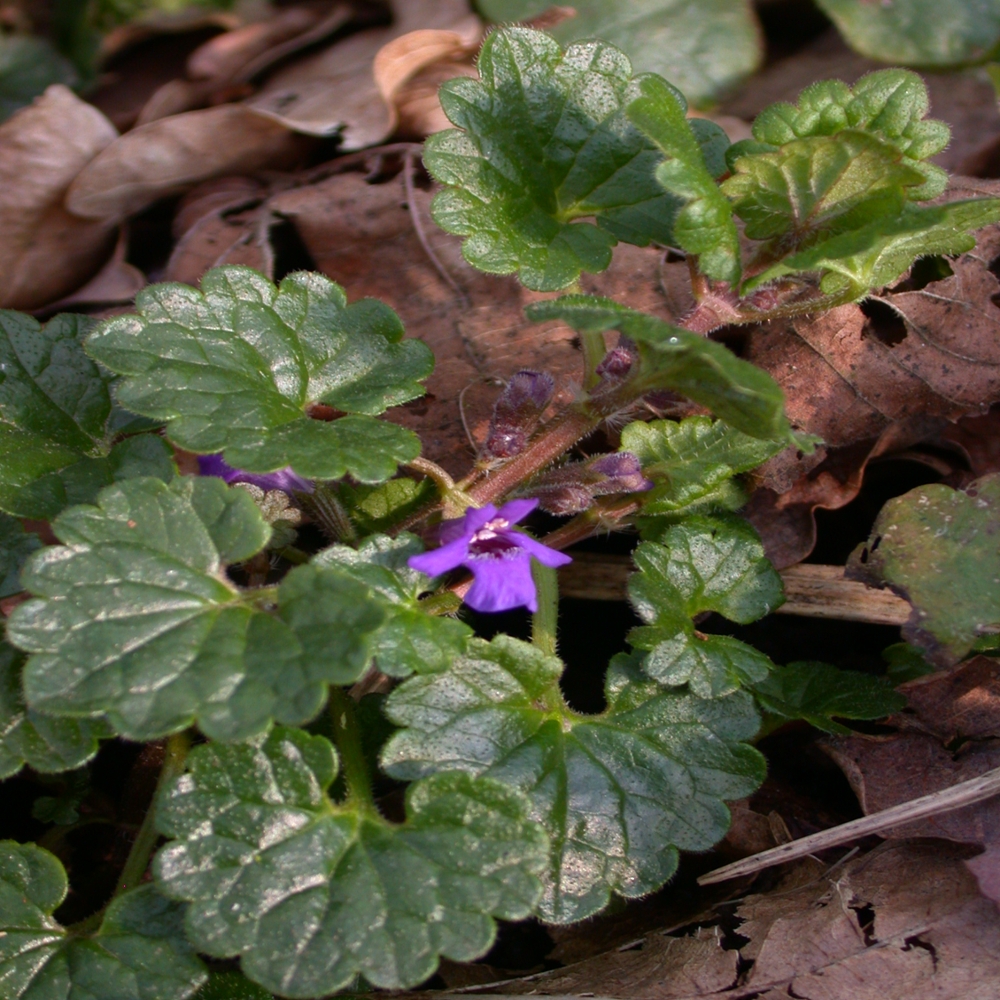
138	953
409	640
820	693
235	368
57	421
692	461
702	564
312	894
704	226
543	141
137	619
619	793
671	358
940	549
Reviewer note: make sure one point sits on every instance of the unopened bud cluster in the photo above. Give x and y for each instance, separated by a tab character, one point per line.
572	488
517	413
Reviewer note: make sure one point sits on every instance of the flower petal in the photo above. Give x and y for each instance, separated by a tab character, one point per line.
468	524
502	584
441	560
517	510
545	555
284	479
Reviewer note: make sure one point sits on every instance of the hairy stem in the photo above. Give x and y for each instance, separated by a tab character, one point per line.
544	622
594	350
324	505
137	861
347	736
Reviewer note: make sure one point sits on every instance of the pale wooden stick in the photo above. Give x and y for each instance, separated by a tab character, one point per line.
811	591
965	793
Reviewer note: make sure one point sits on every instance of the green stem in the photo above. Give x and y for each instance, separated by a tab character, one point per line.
594	350
347	736
545	620
326	508
145	840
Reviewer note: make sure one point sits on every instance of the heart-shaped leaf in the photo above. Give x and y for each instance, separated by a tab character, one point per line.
57	422
543	142
138	953
409	640
40	741
312	894
235	368
138	621
940	549
702	564
618	793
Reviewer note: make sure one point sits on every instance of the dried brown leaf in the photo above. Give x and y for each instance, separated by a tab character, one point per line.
117	283
47	252
172	154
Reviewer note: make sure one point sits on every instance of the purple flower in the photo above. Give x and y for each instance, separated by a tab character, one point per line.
517	412
283	479
498	556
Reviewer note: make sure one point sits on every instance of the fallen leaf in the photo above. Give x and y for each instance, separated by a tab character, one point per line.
117	283
48	252
335	91
172	154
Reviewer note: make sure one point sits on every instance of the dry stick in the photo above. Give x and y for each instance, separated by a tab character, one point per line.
810	591
966	793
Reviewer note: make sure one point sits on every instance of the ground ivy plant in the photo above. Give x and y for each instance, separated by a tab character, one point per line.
354	784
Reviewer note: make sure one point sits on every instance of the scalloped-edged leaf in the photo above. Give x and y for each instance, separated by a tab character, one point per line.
138	621
138	953
704	226
704	46
853	263
691	461
377	508
542	142
889	103
16	545
235	367
409	640
817	186
940	549
57	421
702	564
740	393
311	894
918	32
820	693
618	793
26	737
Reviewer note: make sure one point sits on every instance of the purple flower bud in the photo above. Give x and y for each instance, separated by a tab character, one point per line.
618	361
499	557
284	479
623	472
517	412
563	499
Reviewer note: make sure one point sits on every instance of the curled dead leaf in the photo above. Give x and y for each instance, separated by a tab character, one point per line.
47	252
172	154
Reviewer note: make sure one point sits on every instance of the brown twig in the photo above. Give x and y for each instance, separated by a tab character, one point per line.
966	793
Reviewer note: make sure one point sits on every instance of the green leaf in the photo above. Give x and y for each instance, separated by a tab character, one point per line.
904	663
542	142
691	460
409	640
311	894
890	104
818	186
819	693
704	226
918	32
138	953
705	47
618	793
853	263
27	737
378	508
57	423
232	986
703	564
940	549
27	66
235	367
137	619
16	545
743	395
